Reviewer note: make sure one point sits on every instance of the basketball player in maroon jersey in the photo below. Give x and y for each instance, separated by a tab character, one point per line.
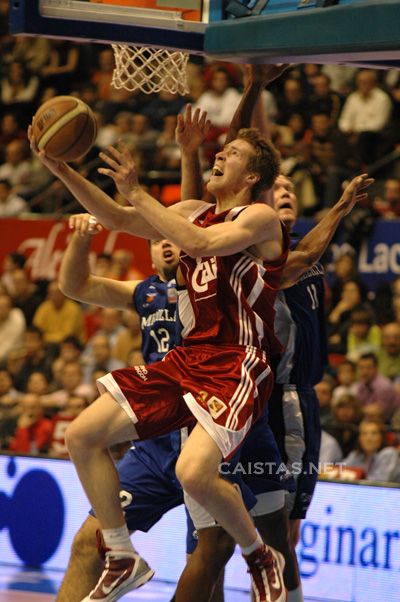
219	380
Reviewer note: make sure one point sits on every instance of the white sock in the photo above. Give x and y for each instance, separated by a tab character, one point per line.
257	544
296	595
118	540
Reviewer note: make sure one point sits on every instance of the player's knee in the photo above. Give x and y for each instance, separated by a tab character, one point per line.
74	437
193	480
78	437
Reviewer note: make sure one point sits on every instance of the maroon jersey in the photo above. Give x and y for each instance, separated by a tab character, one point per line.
229	300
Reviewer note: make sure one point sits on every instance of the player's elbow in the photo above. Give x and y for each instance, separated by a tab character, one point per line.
68	287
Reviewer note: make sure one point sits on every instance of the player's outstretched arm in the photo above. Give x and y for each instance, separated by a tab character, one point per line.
191	131
257	78
75	278
94	200
311	248
254	226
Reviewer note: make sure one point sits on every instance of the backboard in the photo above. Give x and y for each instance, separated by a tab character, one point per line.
358	32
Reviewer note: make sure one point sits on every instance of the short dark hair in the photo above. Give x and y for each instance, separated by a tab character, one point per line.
265	162
74	341
361	316
18	259
369	356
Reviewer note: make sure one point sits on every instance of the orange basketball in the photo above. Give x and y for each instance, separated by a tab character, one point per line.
65	128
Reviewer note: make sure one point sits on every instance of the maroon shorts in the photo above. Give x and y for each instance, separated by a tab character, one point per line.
223	388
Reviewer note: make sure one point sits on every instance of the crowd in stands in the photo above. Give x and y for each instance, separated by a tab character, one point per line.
328	122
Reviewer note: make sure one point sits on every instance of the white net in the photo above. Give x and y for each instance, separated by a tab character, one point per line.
150	69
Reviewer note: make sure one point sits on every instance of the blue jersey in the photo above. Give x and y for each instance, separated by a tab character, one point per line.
155	303
300	327
294	407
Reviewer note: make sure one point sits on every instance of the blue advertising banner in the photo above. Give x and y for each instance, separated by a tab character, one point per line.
349	549
379	256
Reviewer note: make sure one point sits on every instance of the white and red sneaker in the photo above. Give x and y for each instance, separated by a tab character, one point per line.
266	570
120	575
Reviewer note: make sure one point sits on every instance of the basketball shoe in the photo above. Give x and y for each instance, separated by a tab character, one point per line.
120	575
266	570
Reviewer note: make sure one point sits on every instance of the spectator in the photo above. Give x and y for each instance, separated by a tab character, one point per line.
35	360
342	78
378	463
34	431
10	129
388	207
14	361
345	269
19	88
329	156
160	105
12	326
168	151
352	297
389	354
129	340
343	422
122	267
25	295
330	452
32	52
374	389
103	265
37	384
25	173
8	409
58	317
101	358
74	406
101	77
61	69
135	130
11	262
346	378
11	205
364	336
324	391
72	384
292	101
324	100
220	100
365	114
7	389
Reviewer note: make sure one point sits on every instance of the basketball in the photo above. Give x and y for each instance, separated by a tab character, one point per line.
65	128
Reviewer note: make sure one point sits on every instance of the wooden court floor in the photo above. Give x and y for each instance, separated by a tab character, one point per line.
18	585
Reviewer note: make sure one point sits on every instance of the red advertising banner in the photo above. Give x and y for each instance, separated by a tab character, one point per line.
43	242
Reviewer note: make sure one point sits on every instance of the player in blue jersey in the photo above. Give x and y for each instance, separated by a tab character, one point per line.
154	489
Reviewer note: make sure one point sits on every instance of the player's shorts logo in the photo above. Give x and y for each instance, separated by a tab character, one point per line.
141	371
216	406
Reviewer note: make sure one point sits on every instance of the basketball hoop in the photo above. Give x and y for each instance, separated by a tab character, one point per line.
150	69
